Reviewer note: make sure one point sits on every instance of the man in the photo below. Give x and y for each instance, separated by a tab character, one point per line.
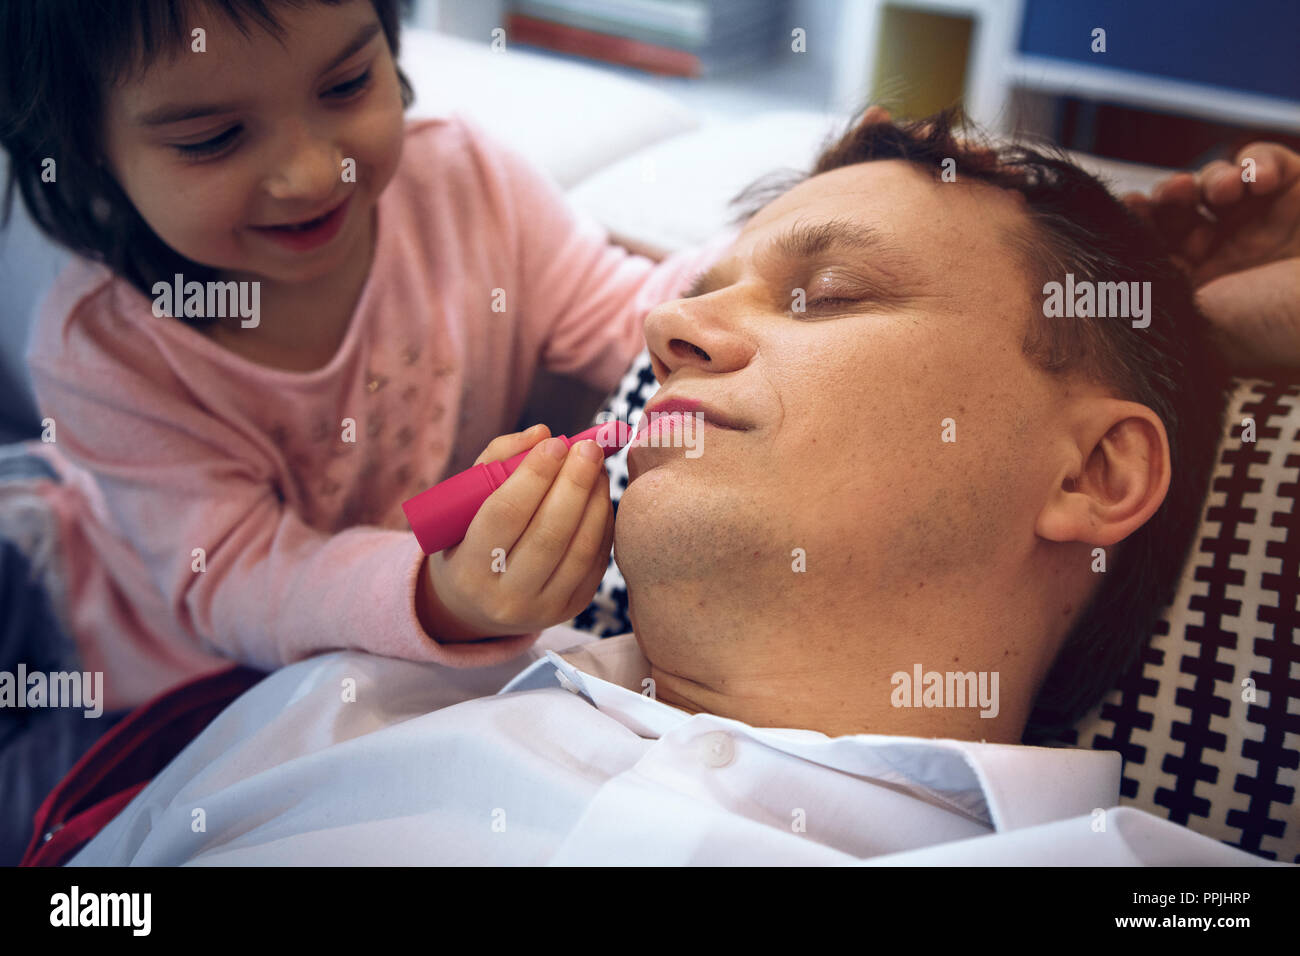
910	468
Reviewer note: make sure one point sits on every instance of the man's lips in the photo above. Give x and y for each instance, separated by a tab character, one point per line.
685	406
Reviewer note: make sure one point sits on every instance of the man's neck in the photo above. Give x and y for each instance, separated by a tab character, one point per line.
929	672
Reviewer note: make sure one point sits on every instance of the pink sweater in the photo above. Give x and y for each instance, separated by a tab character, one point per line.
168	443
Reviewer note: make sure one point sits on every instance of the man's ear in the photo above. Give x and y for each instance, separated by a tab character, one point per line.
1116	478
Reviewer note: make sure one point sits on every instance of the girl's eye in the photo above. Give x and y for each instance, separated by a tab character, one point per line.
351	87
217	143
207	147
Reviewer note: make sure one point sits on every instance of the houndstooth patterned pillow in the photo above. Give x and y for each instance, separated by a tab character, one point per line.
1197	749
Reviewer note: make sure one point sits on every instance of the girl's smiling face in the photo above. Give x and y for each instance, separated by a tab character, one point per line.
213	146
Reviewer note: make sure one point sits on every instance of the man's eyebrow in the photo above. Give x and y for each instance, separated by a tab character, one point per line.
704	283
809	240
171	113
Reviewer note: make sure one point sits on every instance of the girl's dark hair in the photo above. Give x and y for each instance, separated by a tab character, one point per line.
57	58
1075	225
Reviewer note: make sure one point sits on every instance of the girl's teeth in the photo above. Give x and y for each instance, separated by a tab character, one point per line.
307	225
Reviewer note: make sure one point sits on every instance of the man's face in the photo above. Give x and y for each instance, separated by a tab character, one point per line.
916	308
286	118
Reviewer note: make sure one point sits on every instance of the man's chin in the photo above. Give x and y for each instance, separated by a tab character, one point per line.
651	512
644	459
674	522
653	470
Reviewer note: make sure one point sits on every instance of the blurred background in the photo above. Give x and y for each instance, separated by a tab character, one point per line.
1164	83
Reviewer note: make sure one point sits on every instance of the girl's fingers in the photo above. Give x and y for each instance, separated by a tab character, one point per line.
1174	214
509	510
1271	166
1257	315
583	593
1198	243
1144	207
1140	203
1180	189
541	546
1220	184
588	555
507	446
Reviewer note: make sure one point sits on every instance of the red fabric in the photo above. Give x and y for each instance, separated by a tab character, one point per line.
124	760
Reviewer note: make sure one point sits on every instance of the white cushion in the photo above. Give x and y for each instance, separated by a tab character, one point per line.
676	194
566	118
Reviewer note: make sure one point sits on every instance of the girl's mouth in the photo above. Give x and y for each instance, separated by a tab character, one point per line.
309	224
308	235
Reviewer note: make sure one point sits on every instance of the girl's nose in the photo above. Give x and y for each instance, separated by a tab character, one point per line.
306	166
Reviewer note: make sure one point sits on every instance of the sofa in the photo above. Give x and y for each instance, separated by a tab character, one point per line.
660	176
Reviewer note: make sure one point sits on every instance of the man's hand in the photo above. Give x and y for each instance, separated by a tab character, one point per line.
535	552
1239	241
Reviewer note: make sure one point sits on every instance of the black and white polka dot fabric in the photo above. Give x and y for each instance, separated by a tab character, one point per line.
1208	720
607	613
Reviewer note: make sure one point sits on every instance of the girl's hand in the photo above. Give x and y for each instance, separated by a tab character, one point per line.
1218	223
1239	242
535	552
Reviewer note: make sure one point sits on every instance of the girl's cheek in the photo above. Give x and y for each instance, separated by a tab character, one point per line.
382	130
380	143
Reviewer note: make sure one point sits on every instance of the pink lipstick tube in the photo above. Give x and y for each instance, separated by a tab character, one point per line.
441	515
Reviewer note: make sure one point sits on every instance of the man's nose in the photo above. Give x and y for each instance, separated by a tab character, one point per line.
699	332
307	165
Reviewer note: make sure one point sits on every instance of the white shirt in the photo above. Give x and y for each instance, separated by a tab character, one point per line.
350	758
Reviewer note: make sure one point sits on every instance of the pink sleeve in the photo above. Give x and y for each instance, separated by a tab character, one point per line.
175	478
582	298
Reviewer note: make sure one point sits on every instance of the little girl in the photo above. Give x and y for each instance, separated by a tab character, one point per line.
291	311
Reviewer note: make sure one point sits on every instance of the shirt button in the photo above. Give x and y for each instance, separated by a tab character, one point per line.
717	749
567	684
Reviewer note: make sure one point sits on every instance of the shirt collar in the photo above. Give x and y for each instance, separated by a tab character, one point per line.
1007	786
